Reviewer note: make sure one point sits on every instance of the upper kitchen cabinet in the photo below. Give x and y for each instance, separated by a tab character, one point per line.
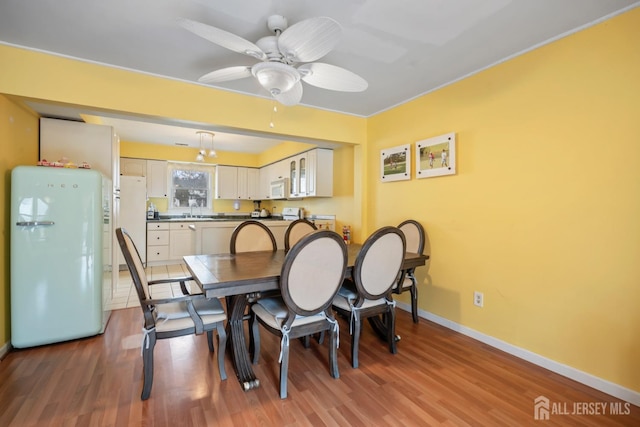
319	173
79	142
133	167
269	173
156	178
237	183
253	183
298	175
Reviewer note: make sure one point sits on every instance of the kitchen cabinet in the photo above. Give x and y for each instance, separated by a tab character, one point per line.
264	182
270	173
181	240
280	170
298	175
253	183
319	173
310	174
80	142
237	183
157	242
214	237
133	167
156	178
226	182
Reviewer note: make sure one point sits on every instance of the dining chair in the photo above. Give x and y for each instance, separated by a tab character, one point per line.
296	231
368	293
415	238
251	236
310	277
171	317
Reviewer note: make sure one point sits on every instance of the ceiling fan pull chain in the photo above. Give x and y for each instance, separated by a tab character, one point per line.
274	110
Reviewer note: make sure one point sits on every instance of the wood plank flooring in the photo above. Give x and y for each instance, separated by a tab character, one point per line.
438	377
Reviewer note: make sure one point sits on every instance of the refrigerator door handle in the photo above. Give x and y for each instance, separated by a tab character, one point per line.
33	223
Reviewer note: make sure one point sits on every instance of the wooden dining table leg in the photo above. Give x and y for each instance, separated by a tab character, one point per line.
379	326
238	346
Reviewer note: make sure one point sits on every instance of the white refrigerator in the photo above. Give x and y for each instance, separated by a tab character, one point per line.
59	221
133	213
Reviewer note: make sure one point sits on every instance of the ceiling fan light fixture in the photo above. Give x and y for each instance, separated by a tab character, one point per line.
275	77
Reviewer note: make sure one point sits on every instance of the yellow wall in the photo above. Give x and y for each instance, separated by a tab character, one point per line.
74	82
19	146
543	216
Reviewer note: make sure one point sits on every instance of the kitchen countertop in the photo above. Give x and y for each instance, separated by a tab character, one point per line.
216	218
212	218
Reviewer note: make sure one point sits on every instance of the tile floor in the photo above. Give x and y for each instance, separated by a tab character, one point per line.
124	295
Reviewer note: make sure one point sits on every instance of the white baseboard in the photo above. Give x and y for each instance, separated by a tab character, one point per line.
587	379
4	350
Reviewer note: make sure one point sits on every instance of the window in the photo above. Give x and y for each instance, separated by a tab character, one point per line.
190	187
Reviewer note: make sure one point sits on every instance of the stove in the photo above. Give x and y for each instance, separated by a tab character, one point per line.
291	214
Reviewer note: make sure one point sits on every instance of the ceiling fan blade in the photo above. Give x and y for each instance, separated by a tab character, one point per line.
226	74
330	77
310	39
222	38
290	97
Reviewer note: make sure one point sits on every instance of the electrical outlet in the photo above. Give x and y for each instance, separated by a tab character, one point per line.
478	299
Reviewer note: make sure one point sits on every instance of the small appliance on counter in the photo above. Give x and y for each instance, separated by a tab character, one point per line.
291	214
256	213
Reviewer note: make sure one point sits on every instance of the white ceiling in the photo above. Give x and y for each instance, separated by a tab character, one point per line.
403	48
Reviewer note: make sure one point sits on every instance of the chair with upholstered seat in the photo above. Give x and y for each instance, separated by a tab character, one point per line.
415	238
171	317
296	231
368	293
311	275
252	236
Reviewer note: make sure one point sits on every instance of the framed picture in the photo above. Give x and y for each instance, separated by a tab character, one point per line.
395	163
436	156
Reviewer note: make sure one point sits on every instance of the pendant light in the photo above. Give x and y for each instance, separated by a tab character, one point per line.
204	135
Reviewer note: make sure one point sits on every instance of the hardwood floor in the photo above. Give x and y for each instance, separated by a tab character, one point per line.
438	377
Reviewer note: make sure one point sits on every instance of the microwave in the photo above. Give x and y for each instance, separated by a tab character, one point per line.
279	189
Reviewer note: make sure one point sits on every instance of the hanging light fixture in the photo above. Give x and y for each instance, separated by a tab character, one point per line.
203	135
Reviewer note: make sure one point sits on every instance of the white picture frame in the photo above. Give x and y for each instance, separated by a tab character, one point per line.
395	163
436	156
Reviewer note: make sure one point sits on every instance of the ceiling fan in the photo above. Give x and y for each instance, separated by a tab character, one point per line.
287	58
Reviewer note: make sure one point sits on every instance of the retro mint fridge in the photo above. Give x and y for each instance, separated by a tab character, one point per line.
57	231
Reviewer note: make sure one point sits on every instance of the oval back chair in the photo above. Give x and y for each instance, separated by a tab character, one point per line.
310	277
368	295
252	236
296	231
415	237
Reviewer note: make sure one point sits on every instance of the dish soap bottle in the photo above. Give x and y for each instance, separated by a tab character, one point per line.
150	211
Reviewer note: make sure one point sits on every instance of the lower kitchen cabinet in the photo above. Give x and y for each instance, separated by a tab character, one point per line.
181	240
214	237
169	242
157	242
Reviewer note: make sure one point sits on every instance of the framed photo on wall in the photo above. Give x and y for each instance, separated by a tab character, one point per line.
395	163
436	156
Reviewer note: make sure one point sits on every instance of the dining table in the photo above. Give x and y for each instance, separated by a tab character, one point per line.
245	276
